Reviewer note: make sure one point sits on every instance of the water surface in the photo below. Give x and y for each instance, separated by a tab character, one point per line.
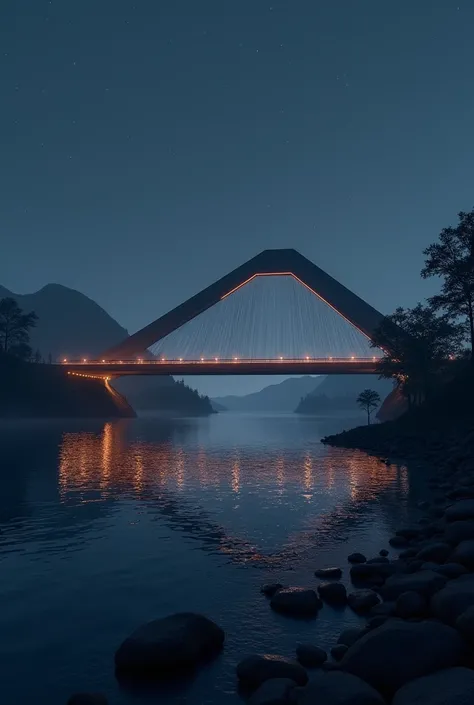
106	525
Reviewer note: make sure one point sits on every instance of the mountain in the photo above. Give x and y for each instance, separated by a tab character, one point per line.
217	407
340	392
71	324
276	397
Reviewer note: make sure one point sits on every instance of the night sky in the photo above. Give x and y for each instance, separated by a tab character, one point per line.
149	147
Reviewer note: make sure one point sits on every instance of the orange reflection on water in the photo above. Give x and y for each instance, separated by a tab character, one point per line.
95	466
110	463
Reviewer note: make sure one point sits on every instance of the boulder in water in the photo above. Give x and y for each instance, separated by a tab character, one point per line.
333	593
296	601
176	642
452	686
417	649
338	688
255	670
310	656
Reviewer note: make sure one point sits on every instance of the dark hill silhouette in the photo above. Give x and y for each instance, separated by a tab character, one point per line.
276	397
71	324
339	393
29	390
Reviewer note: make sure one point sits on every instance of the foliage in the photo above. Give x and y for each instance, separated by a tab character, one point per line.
418	345
14	328
368	400
452	259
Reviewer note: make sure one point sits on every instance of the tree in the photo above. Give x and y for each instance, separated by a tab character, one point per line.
368	400
37	358
452	259
14	328
417	345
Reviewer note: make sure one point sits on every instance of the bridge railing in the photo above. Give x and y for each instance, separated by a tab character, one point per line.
222	361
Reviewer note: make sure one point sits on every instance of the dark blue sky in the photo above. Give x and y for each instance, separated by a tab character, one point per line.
148	147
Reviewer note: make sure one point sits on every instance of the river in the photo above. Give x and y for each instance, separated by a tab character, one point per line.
104	526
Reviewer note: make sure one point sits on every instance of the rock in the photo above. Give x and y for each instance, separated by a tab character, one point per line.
464	554
310	656
430	566
337	688
328	573
459	531
410	604
464	509
377	621
87	699
453	599
255	670
451	570
414	566
452	686
276	691
269	589
423	504
296	601
362	600
436	552
330	666
350	636
465	624
411	532
426	582
371	572
383	552
356	558
398	542
178	641
416	648
333	593
383	609
408	553
378	560
338	651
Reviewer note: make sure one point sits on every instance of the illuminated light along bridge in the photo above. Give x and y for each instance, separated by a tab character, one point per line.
216	366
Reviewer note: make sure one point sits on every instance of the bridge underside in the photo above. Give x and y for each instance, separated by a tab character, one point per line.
182	369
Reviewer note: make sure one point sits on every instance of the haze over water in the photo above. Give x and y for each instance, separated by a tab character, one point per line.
104	526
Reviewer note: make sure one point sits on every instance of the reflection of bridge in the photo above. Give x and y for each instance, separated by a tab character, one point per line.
164	475
305	366
133	357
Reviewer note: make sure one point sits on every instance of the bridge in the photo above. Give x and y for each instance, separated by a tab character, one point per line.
133	356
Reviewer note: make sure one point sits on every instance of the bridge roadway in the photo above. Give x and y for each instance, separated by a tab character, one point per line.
213	366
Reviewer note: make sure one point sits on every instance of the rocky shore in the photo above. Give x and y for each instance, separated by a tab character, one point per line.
417	597
416	643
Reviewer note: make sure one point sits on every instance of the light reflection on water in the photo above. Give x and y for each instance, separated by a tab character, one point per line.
104	526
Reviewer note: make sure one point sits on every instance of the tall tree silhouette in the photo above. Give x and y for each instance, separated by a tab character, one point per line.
15	327
452	259
368	400
418	345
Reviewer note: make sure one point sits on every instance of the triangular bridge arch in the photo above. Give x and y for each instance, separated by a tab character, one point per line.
348	305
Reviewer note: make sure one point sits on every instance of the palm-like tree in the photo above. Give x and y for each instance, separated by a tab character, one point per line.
368	400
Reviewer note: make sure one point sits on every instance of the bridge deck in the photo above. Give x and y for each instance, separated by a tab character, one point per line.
324	366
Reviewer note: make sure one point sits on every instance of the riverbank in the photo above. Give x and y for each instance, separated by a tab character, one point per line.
440	431
29	390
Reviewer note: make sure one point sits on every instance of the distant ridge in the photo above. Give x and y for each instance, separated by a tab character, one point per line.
284	396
